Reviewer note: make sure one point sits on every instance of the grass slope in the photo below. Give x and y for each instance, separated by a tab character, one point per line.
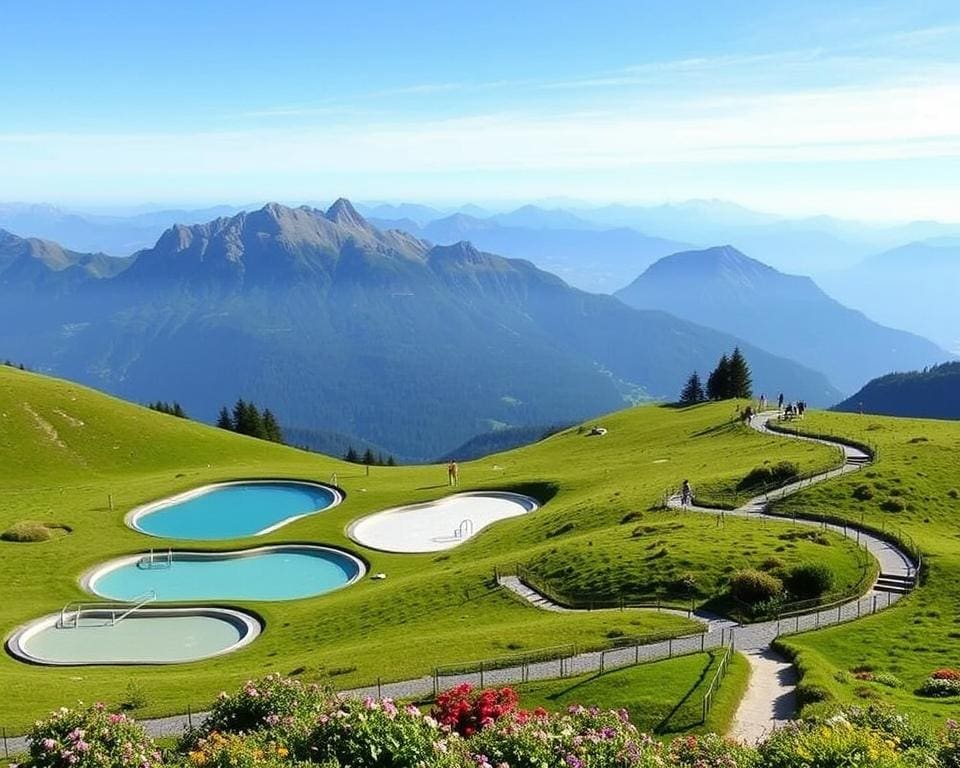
663	697
913	487
83	459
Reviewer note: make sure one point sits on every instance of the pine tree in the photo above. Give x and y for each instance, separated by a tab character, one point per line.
741	384
692	391
178	410
368	457
718	383
224	421
241	417
391	462
256	422
271	427
351	455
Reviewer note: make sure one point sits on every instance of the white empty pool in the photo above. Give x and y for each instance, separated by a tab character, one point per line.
440	524
112	635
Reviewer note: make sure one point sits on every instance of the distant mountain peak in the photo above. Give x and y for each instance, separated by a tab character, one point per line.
342	212
460	251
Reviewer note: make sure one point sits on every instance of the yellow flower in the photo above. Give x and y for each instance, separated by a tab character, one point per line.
282	751
198	758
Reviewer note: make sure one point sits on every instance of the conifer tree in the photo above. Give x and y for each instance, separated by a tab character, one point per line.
351	455
693	391
368	457
391	462
718	383
271	428
178	410
740	382
224	420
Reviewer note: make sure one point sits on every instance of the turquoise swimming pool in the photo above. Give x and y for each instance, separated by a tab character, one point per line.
281	572
233	510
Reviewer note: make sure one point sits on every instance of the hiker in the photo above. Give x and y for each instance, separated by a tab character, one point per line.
453	473
780	402
686	494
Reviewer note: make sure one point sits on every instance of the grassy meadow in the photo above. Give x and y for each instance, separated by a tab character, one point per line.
913	487
76	458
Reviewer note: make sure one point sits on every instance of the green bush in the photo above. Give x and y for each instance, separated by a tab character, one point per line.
754	587
892	505
939	688
778	474
863	492
33	530
809	580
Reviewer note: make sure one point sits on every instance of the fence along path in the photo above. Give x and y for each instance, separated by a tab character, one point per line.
768	702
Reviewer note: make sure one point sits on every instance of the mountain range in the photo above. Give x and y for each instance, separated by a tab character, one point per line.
338	325
913	286
785	314
932	393
585	255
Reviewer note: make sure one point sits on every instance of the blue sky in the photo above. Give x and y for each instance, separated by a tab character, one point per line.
841	107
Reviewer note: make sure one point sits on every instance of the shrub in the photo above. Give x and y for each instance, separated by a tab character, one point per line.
466	711
772	564
580	737
90	738
938	688
33	530
378	734
811	693
892	505
778	474
953	493
835	743
753	587
863	492
946	673
233	750
883	719
808	580
270	702
710	750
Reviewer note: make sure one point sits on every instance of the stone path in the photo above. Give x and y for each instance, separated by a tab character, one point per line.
769	701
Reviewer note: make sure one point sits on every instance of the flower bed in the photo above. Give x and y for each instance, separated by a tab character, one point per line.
281	723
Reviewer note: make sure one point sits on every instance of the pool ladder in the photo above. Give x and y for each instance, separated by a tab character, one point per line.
151	561
117	611
464	530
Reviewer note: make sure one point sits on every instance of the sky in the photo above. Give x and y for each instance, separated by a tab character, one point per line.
846	108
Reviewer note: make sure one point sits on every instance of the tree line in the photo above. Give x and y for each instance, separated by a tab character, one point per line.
171	409
731	378
368	458
246	419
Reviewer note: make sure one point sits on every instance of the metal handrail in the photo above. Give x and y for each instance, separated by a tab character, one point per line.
129	607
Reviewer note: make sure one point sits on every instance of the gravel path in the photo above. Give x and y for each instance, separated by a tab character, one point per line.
770	699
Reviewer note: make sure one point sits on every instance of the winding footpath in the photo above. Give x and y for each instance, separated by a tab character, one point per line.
770	698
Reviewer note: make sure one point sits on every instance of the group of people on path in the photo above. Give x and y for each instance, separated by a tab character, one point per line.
790	411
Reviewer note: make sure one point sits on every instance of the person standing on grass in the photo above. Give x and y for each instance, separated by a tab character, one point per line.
780	402
453	473
686	494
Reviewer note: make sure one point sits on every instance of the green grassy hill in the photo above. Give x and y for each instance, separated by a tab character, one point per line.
913	488
67	452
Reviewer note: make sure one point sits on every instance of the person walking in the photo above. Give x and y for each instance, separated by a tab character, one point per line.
686	494
780	402
454	471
